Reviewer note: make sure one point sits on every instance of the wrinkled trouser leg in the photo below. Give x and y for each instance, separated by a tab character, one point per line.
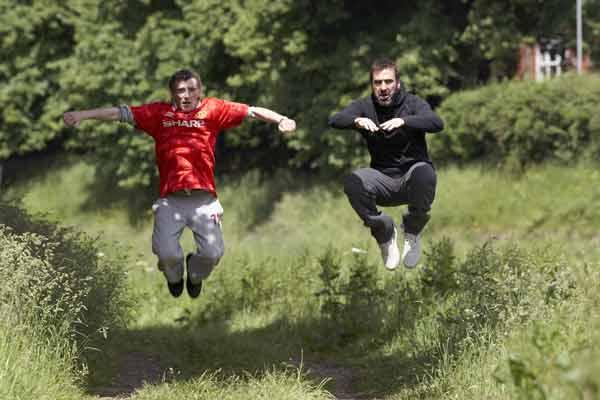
206	225
168	226
201	212
419	184
363	187
367	188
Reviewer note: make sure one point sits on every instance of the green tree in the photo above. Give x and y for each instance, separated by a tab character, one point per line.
305	58
32	38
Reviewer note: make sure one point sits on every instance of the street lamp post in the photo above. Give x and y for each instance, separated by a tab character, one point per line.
579	36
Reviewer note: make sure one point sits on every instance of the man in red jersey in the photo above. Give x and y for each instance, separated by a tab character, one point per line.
184	132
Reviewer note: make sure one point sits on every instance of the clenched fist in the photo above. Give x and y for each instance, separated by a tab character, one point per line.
286	125
71	118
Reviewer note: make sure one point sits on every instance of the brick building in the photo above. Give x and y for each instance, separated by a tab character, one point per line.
547	59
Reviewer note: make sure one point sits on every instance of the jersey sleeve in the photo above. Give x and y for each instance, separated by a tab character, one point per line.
231	114
146	117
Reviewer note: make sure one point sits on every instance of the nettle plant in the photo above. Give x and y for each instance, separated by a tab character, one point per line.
489	290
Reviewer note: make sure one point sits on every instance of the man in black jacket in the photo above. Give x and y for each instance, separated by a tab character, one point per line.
393	122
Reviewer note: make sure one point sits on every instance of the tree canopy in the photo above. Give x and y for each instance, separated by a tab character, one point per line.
304	58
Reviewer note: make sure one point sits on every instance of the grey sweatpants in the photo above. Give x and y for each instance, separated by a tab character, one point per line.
201	212
367	188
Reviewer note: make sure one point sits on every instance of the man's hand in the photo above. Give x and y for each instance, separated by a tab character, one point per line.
286	125
392	124
366	124
71	118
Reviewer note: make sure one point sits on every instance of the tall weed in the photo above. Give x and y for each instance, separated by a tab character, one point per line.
60	297
34	365
61	273
450	306
352	299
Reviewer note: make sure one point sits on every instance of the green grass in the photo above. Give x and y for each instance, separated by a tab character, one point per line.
270	216
270	385
259	314
553	356
33	367
550	204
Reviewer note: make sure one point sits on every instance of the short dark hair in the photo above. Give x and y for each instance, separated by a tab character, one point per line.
381	64
183	75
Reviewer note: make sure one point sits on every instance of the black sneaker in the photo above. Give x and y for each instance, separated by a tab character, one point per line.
192	289
175	288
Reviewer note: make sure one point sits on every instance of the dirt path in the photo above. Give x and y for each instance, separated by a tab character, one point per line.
135	370
341	379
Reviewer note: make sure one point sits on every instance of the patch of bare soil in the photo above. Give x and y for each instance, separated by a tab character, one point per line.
340	378
135	370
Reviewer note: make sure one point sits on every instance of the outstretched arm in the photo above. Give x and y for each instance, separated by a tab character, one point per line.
284	124
73	118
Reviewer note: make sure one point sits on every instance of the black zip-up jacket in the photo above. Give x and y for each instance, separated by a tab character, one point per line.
393	152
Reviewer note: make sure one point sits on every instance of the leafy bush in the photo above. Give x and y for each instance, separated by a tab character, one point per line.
520	123
58	296
488	290
58	277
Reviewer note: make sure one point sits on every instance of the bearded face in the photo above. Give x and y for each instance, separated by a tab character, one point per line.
384	85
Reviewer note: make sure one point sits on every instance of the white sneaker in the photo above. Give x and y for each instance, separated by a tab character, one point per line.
412	250
390	252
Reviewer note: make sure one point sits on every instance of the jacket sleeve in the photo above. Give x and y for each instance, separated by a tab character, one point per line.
344	119
424	119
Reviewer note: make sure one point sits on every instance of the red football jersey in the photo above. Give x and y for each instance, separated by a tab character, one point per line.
184	142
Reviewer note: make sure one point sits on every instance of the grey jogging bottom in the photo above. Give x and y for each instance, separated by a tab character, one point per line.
368	188
201	212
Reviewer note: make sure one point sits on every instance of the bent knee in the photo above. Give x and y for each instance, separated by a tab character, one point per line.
354	183
423	176
210	256
169	260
